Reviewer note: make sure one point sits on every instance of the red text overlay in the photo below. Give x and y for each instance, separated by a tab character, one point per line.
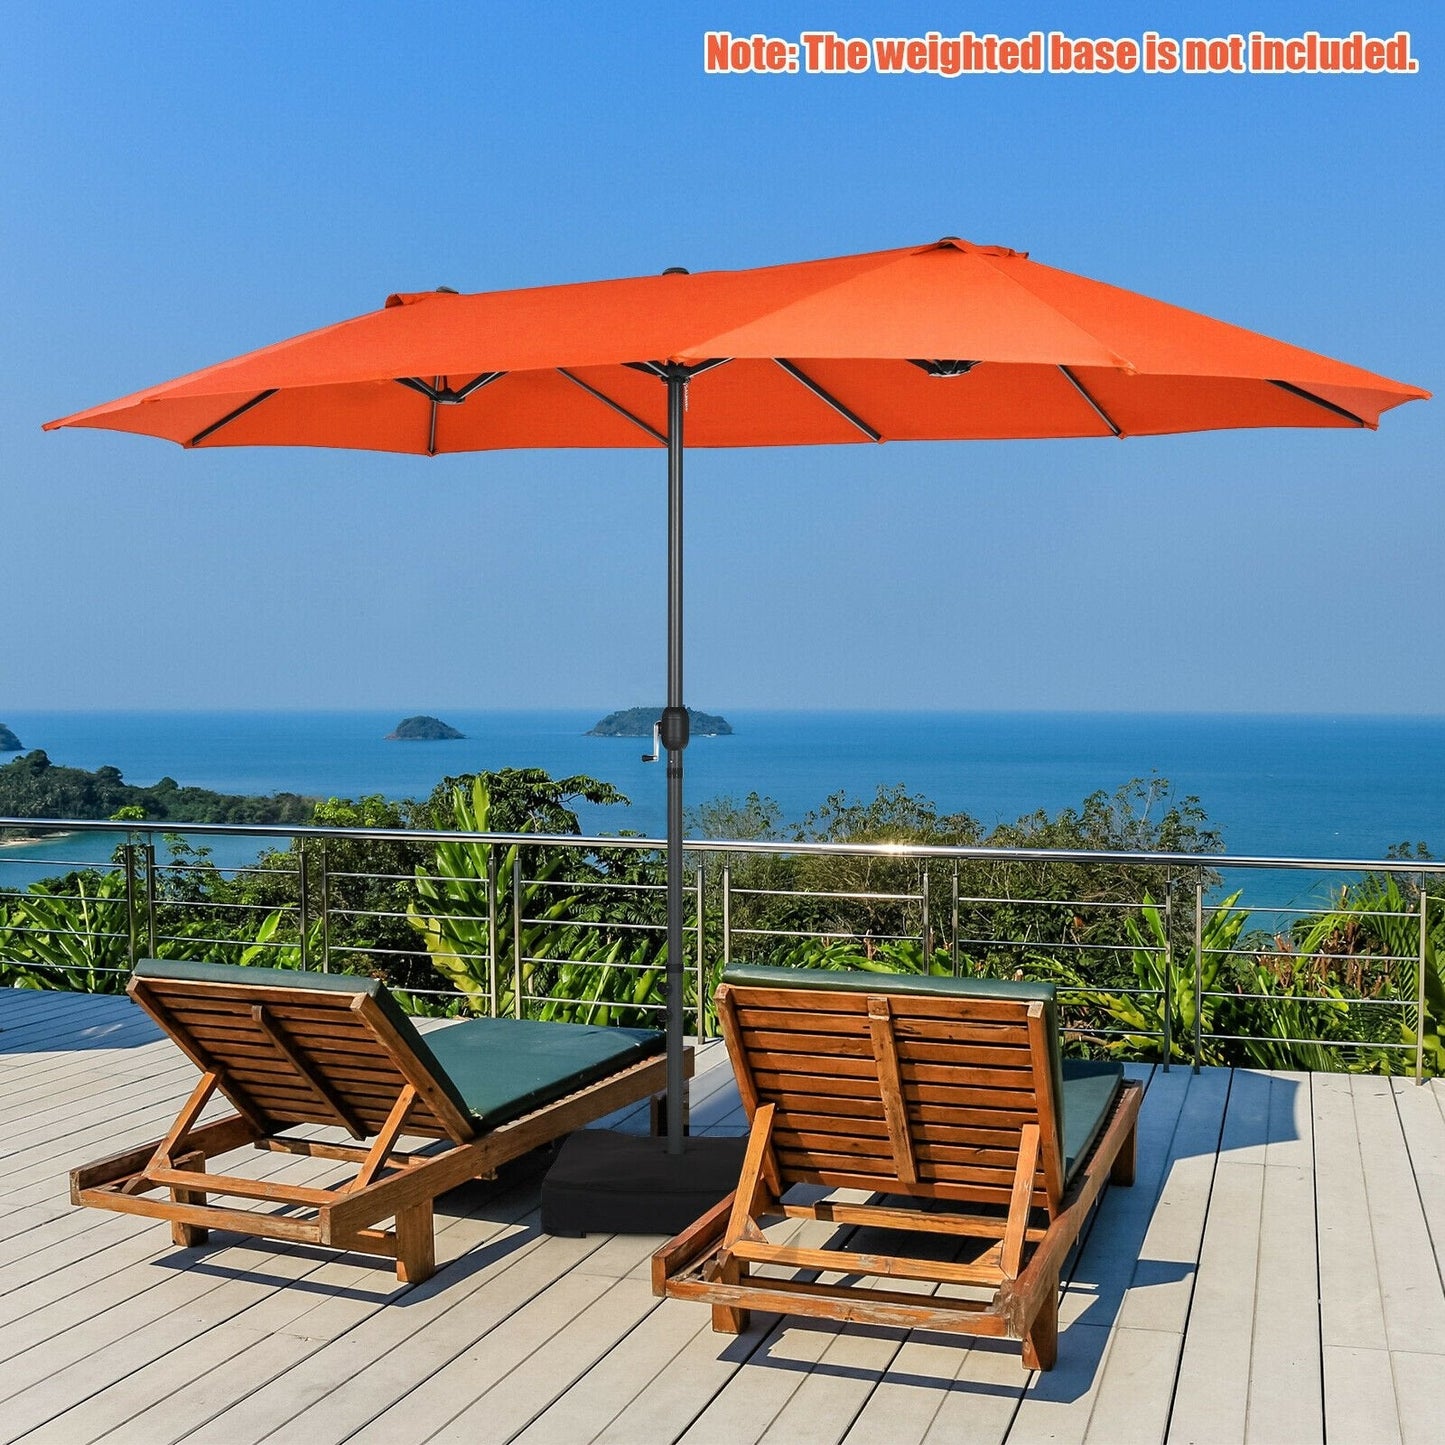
1053	52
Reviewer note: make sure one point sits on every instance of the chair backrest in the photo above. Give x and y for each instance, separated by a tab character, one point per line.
294	1048
901	1084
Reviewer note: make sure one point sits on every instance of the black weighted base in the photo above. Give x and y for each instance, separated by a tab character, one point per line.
608	1183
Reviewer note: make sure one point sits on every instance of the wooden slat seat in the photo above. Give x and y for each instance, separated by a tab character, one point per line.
290	1049
949	1092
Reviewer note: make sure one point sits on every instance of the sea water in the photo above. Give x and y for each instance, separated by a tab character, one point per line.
1279	785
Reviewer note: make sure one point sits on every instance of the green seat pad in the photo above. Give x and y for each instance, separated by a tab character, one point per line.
492	1070
857	980
1089	1090
504	1068
255	975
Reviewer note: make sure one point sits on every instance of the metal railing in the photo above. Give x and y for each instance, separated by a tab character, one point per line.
1157	967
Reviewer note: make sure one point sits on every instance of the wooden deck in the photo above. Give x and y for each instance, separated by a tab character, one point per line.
1273	1276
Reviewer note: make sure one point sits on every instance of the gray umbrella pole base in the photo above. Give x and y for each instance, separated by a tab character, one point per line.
604	1182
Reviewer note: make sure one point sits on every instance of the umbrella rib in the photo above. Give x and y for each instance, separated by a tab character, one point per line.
661	368
799	375
616	406
438	394
230	416
1098	410
1304	395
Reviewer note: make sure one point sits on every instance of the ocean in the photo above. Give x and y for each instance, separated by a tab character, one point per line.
1283	785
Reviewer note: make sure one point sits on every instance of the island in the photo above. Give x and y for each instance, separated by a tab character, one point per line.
9	743
638	722
423	730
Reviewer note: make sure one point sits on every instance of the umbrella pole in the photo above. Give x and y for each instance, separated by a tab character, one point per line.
609	1182
674	738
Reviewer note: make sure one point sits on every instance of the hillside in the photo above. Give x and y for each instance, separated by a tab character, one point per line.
32	786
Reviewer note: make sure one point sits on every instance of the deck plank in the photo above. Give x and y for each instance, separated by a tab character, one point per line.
1211	1402
1410	1289
1138	1372
1284	1376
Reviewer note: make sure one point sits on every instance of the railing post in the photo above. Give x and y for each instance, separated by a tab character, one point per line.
517	935
492	930
727	911
303	902
1166	1004
131	920
1420	966
927	939
325	881
150	853
701	959
953	923
1198	972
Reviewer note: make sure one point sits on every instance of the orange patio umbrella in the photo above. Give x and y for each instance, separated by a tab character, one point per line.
949	341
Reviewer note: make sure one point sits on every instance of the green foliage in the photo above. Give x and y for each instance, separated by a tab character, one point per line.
368	888
1168	986
585	952
521	800
1372	941
68	933
31	786
451	911
904	955
1032	914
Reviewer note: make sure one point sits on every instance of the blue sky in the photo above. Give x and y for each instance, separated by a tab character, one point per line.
187	182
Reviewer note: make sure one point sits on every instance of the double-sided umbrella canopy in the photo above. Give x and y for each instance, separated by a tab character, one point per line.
949	341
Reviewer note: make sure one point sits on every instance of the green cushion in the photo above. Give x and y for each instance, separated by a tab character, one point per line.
1085	1089
492	1070
257	976
857	980
1089	1090
505	1068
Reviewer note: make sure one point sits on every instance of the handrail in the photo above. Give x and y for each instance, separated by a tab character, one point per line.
973	852
497	926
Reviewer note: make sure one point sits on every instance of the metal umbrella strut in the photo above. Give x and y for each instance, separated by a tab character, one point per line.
947	341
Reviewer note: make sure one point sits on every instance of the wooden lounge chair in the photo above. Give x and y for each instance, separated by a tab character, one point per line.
946	1095
291	1049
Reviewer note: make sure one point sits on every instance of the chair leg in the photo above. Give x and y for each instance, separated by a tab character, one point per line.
727	1319
1041	1343
415	1244
1122	1172
189	1235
